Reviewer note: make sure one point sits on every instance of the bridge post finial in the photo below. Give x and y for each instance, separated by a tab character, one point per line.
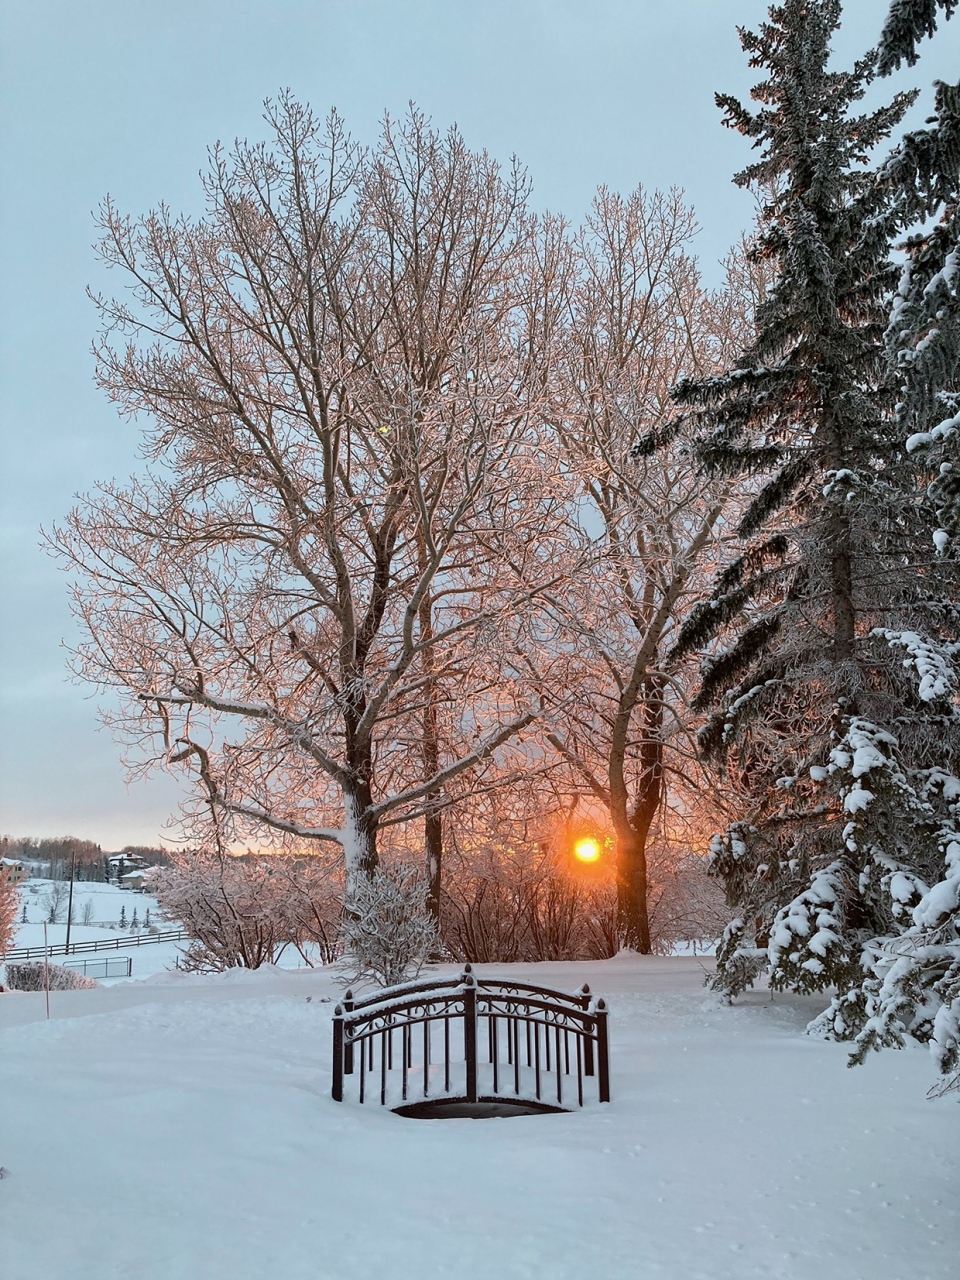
337	1090
603	1052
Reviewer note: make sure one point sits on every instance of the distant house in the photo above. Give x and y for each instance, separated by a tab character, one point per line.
138	878
12	871
121	864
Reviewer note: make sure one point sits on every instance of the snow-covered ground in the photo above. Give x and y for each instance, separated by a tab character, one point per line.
183	1127
107	901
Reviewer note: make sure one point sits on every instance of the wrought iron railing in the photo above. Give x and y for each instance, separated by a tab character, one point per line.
472	1039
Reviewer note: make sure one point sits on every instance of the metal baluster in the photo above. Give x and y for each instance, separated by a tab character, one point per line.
495	1052
404	1035
383	1067
516	1055
536	1055
579	1040
363	1069
446	1054
559	1067
426	1052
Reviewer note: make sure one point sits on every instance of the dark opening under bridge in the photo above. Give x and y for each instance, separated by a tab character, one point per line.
466	1045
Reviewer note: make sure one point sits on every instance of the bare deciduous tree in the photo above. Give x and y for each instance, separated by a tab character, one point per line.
639	320
9	906
351	508
54	900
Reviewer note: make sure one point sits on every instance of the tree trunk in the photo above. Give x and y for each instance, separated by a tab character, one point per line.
433	836
840	540
633	919
360	834
433	822
633	830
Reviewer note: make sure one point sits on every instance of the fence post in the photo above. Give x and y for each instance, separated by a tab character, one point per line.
470	1034
347	1007
603	1053
584	994
337	1090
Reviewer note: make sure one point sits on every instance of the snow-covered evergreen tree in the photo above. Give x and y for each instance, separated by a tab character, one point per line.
912	982
846	760
907	23
924	332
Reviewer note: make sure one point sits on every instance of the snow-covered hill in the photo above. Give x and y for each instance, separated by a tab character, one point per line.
183	1127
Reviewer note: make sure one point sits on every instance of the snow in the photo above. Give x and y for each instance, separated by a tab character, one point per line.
107	899
149	959
183	1127
933	662
938	904
856	799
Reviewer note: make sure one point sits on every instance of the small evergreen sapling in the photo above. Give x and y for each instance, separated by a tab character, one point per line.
123	916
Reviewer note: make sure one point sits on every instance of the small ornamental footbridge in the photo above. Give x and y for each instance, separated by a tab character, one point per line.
471	1046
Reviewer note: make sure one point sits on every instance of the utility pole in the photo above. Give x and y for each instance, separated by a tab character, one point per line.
73	867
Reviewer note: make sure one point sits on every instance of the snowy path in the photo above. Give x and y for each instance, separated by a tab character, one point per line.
182	1129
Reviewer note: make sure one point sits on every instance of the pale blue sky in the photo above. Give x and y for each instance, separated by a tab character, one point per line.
124	96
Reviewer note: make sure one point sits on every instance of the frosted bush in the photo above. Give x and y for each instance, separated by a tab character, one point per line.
30	977
388	931
244	912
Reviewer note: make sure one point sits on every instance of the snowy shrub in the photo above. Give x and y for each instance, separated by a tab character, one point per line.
506	902
30	976
244	912
87	917
511	903
312	891
738	964
388	931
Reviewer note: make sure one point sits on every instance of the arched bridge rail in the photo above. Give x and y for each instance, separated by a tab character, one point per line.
472	1040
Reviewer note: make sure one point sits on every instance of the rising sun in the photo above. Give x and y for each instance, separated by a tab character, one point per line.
587	850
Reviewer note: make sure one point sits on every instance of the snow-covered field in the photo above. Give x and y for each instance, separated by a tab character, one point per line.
182	1128
107	901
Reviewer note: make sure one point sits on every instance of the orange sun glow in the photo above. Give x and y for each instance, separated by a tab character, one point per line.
587	850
